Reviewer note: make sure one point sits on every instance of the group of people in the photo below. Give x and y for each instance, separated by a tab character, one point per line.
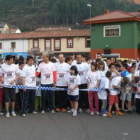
100	87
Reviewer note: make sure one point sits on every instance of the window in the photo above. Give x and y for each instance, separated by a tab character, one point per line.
48	44
35	43
13	45
70	43
112	31
87	42
57	45
0	45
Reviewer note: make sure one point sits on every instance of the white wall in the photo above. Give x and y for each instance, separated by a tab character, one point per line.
21	46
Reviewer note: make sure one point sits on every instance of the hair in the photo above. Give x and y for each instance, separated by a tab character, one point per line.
117	65
45	53
75	69
111	65
124	65
99	54
29	57
108	74
125	61
108	58
8	57
83	56
68	59
102	63
21	63
98	60
133	64
94	64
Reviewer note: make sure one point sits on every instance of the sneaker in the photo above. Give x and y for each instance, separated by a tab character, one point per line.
109	115
23	115
64	110
119	113
57	110
97	113
1	113
7	115
52	111
74	113
80	110
13	114
88	111
71	111
34	112
42	112
92	113
104	115
113	112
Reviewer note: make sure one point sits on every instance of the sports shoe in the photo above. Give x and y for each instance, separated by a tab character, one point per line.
71	111
23	115
63	110
87	111
52	111
80	110
119	113
104	115
92	113
74	113
1	113
109	115
7	115
97	113
42	112
34	112
13	114
57	110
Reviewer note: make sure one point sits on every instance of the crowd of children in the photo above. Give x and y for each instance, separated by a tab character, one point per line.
100	87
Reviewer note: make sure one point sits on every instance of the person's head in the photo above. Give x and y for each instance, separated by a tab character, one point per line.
93	66
132	70
73	70
113	60
68	60
101	66
112	67
84	59
118	67
108	61
136	79
9	59
124	67
45	57
79	58
72	56
125	81
120	62
99	56
21	65
108	74
134	65
138	60
129	61
61	58
30	60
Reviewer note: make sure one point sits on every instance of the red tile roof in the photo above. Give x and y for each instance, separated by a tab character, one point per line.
46	34
116	16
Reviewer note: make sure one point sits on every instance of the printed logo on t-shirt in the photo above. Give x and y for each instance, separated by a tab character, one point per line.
72	80
47	76
61	75
81	73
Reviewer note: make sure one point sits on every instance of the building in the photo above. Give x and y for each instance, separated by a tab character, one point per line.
66	42
115	34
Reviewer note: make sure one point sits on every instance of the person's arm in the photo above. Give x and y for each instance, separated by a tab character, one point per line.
118	74
108	91
23	82
98	83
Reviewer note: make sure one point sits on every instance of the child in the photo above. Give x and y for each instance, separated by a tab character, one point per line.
105	81
93	78
113	97
73	91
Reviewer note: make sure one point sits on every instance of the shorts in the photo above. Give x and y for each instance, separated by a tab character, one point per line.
126	97
1	95
113	99
73	97
9	94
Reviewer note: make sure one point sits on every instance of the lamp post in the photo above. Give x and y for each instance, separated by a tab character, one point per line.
89	5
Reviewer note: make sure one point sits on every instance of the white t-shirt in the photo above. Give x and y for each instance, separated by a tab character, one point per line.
62	70
137	73
83	68
138	86
74	62
116	81
1	77
9	72
102	73
46	70
28	73
73	80
93	78
104	84
113	75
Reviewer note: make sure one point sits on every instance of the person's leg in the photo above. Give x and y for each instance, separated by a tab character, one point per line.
43	99
32	100
85	97
6	98
137	106
57	100
96	101
91	95
1	98
75	104
111	102
81	98
103	107
12	98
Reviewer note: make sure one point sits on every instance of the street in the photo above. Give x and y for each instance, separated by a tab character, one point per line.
62	126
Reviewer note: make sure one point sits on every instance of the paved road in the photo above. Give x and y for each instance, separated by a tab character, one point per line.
65	127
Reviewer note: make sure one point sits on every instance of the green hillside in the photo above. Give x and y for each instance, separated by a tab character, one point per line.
31	14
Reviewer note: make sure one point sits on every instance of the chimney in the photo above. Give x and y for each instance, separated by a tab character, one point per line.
106	11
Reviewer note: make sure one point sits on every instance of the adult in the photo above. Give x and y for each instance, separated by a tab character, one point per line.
48	78
72	57
28	78
10	76
62	70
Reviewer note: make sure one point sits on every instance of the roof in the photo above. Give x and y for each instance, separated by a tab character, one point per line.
116	16
52	29
46	34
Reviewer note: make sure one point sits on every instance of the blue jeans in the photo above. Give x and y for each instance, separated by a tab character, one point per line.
28	97
47	94
103	106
